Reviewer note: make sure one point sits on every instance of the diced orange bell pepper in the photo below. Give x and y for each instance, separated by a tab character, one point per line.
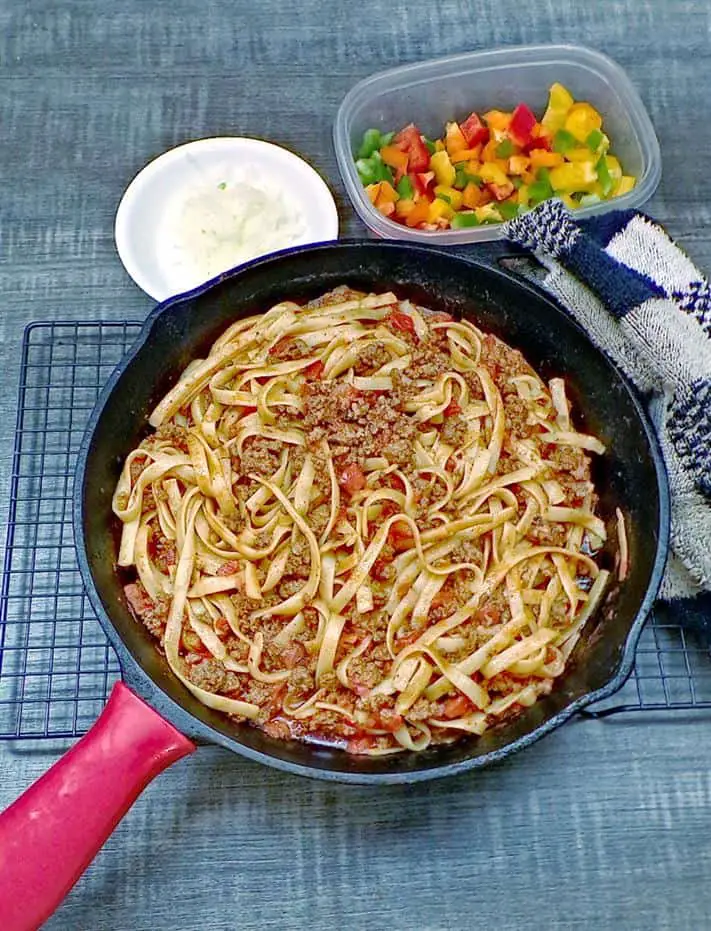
372	190
454	140
519	163
473	196
465	155
395	158
497	119
387	194
419	213
542	158
386	207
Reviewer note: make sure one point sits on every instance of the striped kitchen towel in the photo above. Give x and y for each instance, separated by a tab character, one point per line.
645	304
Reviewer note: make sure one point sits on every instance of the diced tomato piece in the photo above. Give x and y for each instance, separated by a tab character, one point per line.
523	119
139	601
222	627
452	409
352	478
380	570
488	615
361	744
401	321
474	130
456	707
400	536
386	720
228	568
314	370
277	728
409	140
293	654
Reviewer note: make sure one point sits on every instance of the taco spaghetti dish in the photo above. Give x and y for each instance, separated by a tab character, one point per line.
362	523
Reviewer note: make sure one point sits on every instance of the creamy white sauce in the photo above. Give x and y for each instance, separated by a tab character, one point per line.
227	217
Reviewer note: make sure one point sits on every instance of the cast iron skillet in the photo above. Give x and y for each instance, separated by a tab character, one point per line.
131	743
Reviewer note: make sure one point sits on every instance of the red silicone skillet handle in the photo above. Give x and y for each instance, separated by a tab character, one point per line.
51	834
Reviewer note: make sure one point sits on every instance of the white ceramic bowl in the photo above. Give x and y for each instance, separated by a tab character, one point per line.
208	206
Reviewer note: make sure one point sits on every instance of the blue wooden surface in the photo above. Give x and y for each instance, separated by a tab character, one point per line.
603	824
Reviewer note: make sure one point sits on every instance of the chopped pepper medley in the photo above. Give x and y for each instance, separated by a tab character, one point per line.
492	168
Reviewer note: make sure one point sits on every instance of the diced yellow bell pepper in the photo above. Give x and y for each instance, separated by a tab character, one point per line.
404	207
572	177
614	167
523	196
559	102
455	196
487	212
439	210
518	164
581	154
454	140
624	186
540	158
581	120
443	168
473	166
439	145
569	202
493	173
497	119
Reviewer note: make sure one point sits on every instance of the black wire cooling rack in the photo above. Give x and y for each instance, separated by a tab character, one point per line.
56	665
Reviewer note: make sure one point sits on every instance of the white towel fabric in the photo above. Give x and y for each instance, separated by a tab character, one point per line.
645	304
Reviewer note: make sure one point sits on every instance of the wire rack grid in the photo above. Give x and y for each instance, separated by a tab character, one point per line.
56	665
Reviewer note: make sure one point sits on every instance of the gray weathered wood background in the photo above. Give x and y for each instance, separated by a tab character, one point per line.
601	825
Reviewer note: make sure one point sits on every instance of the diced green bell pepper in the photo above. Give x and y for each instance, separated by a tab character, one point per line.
404	188
504	149
594	139
563	141
463	220
604	177
508	210
371	143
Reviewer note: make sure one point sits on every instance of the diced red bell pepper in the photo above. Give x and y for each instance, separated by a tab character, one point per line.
352	479
402	322
521	126
421	181
538	142
474	130
409	140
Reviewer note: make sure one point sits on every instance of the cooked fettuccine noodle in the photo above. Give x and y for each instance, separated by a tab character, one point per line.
361	522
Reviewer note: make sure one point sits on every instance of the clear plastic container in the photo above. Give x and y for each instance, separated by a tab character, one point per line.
432	92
